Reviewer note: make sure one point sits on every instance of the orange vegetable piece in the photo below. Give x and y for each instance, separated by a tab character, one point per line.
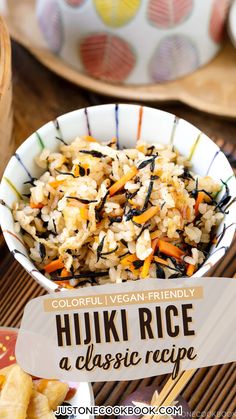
65	273
122	181
84	213
34	205
141	148
54	266
64	284
90	139
55	183
146	215
190	269
76	170
199	200
2	380
133	270
188	213
127	260
160	260
86	167
169	249
148	260
214	240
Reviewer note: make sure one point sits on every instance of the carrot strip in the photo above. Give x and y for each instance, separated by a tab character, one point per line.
86	166
122	181
188	214
141	148
64	284
34	205
84	213
90	139
65	273
169	249
133	270
190	269
76	170
148	260
160	260
127	260
54	266
146	215
214	240
146	266
55	183
199	200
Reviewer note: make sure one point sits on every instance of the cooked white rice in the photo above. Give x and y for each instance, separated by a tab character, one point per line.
80	219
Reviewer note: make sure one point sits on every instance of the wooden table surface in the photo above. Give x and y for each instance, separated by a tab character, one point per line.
39	96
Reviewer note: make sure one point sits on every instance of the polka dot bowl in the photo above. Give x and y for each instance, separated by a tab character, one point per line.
133	41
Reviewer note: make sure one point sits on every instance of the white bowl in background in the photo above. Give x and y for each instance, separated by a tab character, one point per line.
133	41
232	23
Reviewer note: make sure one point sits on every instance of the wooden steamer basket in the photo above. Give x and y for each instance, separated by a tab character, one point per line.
6	114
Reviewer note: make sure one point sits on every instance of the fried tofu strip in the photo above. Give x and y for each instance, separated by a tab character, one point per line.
15	394
39	407
6	370
54	390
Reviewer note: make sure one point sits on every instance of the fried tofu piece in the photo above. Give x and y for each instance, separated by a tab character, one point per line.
5	371
39	407
15	394
54	390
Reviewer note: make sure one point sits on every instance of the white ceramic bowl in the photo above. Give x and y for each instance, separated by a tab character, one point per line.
133	41
127	123
232	23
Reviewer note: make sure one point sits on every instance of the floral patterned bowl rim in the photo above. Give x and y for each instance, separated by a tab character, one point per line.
128	123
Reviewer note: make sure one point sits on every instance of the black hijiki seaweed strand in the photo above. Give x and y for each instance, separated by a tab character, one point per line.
93	153
81	276
100	207
42	251
100	247
110	252
114	220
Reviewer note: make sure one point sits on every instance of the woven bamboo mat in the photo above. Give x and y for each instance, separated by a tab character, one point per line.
211	391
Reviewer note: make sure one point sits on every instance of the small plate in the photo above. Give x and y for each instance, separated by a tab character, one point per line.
84	392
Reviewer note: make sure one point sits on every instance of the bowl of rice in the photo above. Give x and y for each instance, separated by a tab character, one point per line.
114	193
